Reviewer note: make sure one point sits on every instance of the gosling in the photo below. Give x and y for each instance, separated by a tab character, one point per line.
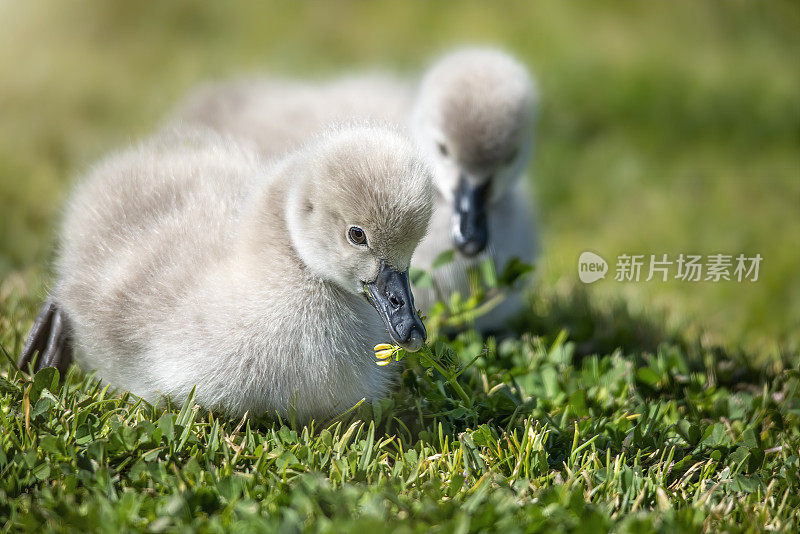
473	120
472	117
184	263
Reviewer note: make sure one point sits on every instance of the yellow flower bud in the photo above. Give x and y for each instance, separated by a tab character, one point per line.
384	354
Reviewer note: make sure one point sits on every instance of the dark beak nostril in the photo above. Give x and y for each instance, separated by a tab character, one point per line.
395	302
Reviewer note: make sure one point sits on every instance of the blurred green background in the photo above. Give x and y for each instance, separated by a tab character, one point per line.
669	127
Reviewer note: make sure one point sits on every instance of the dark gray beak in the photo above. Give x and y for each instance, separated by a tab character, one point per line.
470	227
390	294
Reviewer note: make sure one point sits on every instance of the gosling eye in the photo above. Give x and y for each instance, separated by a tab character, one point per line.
356	236
443	149
511	157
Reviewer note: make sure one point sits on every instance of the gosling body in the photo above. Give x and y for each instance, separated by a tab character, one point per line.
183	265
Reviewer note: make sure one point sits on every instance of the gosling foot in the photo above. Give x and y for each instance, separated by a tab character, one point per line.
49	337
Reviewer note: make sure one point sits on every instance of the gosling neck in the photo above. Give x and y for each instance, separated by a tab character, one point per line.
262	238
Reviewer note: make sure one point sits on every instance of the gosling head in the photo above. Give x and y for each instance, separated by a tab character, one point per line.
358	214
473	120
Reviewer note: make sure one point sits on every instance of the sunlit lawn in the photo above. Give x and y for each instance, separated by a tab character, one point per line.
665	128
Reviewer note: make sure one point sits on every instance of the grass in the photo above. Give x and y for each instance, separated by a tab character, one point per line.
665	128
683	439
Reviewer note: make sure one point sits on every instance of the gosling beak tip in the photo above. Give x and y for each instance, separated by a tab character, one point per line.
470	245
415	341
